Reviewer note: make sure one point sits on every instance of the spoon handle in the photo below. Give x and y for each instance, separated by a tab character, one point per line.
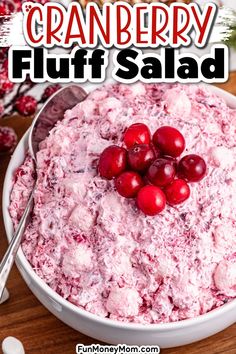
11	252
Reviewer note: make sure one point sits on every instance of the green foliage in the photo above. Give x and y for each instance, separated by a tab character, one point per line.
231	40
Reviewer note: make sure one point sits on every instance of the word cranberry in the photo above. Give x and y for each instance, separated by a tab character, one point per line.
128	184
140	157
161	172
113	161
26	105
177	192
192	168
136	134
151	200
169	140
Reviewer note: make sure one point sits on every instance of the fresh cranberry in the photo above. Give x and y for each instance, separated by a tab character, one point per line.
157	151
128	184
161	172
151	200
8	139
4	10
6	85
8	7
136	134
192	168
112	162
171	159
49	91
140	157
177	192
17	6
169	140
26	105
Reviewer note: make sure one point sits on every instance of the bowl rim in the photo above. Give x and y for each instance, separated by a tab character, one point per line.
23	264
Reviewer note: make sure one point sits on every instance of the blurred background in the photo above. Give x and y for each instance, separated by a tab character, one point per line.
23	316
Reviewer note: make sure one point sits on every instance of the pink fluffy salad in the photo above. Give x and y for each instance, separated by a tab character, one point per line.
97	249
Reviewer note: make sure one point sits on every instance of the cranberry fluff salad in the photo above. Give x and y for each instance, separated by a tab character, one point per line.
98	249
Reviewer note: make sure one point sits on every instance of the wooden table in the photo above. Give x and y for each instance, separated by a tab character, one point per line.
42	333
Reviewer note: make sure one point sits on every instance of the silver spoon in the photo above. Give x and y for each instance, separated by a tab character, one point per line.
52	112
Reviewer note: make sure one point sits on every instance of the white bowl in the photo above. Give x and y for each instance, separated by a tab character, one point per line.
165	335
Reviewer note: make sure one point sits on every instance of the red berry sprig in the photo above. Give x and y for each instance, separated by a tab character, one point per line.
8	139
6	85
26	105
148	169
7	7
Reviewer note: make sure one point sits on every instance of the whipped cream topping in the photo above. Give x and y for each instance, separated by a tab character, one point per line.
97	249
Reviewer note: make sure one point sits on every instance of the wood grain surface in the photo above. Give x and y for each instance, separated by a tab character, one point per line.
22	316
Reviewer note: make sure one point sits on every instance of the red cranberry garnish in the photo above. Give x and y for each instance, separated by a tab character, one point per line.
172	160
161	172
8	139
112	162
157	151
169	140
140	157
49	91
151	200
192	168
177	192
136	134
26	105
128	184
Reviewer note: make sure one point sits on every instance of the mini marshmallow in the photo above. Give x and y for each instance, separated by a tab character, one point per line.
224	237
225	277
78	260
177	102
222	157
123	302
81	217
109	104
12	345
